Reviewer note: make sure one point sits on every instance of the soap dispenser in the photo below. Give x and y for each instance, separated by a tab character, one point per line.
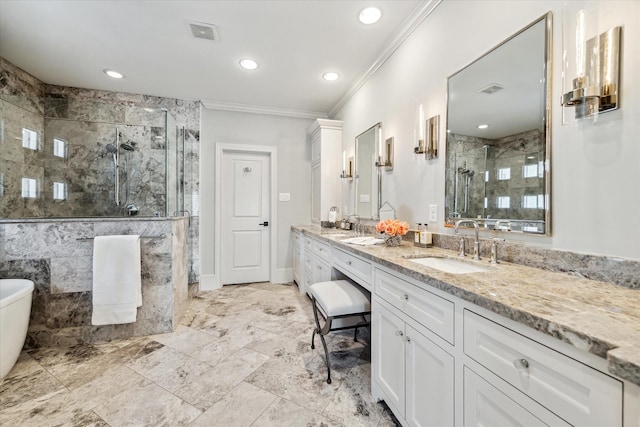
416	235
426	238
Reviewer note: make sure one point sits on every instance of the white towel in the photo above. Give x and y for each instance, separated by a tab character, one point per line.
117	283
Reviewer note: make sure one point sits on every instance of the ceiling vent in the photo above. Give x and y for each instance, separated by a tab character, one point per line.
492	88
200	30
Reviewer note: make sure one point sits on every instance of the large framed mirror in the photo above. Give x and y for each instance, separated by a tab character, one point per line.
367	177
498	135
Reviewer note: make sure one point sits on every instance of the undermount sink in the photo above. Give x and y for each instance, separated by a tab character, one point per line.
449	265
363	241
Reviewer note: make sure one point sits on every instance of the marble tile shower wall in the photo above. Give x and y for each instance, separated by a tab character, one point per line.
87	120
510	152
48	253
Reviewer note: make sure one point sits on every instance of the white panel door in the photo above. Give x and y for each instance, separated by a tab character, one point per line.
245	215
430	379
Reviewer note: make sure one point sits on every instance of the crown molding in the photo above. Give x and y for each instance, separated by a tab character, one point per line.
257	109
409	25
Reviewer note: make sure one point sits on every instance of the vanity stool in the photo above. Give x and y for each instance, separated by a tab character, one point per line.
337	299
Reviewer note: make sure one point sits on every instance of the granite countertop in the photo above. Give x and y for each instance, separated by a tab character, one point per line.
598	317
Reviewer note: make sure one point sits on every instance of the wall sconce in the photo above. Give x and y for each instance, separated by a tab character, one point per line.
386	161
595	89
428	145
347	168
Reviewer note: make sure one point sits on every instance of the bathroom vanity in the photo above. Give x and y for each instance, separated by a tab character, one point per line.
499	345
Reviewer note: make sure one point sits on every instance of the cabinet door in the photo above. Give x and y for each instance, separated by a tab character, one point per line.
485	405
316	194
322	271
430	382
388	351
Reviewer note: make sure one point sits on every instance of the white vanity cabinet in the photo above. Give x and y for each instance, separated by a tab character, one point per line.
317	262
438	360
410	371
572	390
297	256
326	166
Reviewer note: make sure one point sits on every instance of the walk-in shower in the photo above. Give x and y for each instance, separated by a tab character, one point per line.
92	158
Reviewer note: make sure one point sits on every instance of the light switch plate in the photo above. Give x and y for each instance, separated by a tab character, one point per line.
285	197
433	213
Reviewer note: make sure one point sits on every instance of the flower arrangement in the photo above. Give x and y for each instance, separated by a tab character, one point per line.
394	229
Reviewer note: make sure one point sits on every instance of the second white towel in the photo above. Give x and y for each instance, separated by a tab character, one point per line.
117	282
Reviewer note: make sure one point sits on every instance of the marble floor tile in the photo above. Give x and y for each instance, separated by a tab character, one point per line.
352	405
212	385
147	405
26	381
185	340
241	356
169	368
231	342
302	380
275	345
252	400
284	413
74	366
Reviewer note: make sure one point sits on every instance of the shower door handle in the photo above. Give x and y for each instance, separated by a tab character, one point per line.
266	224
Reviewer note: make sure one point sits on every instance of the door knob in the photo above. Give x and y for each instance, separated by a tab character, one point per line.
266	223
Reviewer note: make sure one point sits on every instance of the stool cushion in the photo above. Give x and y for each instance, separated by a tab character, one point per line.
340	297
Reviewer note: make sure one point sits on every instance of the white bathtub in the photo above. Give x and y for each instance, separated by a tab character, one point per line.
15	309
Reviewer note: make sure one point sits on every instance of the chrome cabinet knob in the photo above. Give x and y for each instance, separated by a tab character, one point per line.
399	333
408	339
348	262
521	364
405	297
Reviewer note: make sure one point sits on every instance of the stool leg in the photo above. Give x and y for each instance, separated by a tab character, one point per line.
318	330
355	333
326	355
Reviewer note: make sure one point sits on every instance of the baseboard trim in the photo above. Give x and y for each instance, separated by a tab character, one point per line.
283	275
209	282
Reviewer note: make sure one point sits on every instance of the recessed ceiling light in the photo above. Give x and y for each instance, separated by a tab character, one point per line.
113	74
370	15
483	126
331	76
248	64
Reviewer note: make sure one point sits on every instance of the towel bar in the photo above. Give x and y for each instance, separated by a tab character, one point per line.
161	236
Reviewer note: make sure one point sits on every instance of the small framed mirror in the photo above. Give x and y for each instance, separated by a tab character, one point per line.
498	135
368	176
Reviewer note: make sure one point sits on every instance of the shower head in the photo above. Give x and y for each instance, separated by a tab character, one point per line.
129	146
111	148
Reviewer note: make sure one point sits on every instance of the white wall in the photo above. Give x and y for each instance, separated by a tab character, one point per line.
293	174
595	168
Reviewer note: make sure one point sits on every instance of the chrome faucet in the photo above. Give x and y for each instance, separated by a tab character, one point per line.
494	249
355	220
476	243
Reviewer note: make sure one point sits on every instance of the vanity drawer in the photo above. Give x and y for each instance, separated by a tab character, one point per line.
574	391
358	269
322	250
308	242
432	311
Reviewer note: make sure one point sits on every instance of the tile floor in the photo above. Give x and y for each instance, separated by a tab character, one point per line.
240	357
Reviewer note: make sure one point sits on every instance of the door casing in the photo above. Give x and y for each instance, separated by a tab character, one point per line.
272	152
